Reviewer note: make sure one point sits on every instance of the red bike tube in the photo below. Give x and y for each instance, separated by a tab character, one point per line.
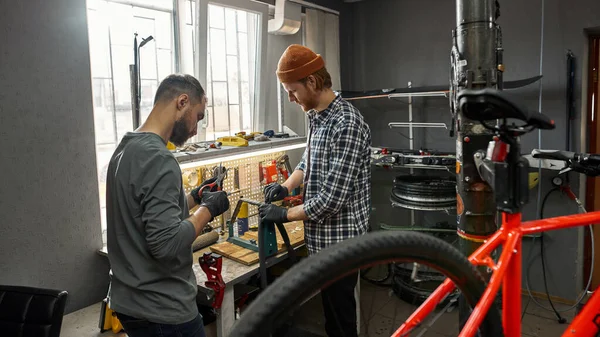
561	222
486	301
511	287
425	309
482	254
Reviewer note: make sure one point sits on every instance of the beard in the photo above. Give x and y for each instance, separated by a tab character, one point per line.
310	102
180	133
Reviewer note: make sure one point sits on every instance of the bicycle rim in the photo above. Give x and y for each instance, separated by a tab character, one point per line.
306	278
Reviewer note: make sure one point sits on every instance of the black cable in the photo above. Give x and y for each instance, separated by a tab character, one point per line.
561	319
525	308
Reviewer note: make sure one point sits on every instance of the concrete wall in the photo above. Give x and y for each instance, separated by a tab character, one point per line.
49	210
410	40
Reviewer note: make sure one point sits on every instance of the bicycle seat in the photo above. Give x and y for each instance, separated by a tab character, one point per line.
490	104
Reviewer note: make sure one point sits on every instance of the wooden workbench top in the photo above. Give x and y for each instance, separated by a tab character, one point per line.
232	272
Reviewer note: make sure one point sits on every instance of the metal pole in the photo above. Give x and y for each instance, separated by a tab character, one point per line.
475	63
411	144
134	76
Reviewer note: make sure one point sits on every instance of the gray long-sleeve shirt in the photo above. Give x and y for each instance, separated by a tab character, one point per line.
148	239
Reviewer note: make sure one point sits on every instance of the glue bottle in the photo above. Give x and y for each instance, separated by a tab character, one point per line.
242	219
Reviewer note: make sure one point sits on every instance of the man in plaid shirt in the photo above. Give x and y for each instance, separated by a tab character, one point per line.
336	173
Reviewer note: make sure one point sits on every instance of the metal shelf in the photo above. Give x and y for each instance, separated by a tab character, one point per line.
393	125
418	166
419	94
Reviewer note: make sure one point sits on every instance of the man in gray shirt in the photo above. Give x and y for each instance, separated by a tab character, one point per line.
149	229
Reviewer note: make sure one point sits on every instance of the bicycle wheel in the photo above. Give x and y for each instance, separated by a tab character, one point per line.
306	278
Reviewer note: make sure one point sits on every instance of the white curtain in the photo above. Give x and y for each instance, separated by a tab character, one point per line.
322	34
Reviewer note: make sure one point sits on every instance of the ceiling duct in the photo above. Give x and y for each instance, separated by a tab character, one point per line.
287	18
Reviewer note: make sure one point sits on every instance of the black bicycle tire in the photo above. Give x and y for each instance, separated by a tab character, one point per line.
424	207
304	279
425	189
429	192
424	181
424	197
414	296
442	204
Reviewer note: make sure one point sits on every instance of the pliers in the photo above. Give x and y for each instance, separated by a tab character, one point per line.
220	173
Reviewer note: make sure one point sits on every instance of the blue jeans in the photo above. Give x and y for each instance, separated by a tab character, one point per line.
135	327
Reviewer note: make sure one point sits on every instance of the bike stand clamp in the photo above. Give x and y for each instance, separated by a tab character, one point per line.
267	240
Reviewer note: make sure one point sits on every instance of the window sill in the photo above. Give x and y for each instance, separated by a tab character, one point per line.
227	152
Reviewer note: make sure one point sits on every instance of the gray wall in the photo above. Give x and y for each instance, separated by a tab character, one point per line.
49	208
399	41
293	115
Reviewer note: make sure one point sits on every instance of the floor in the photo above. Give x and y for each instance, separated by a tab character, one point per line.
381	312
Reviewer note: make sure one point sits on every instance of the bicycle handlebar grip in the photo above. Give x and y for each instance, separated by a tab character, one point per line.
553	154
593	159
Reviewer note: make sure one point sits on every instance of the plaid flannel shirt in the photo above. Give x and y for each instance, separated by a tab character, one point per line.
337	184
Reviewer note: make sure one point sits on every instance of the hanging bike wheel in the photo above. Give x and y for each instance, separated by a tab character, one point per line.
424	193
301	282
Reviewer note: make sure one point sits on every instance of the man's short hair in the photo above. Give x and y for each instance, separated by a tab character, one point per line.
322	78
177	84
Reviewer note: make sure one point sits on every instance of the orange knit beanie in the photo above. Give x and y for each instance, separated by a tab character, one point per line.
298	62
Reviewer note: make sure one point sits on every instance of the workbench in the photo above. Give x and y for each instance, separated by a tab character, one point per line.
233	273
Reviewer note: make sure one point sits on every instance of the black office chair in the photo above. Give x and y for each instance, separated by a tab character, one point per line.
31	312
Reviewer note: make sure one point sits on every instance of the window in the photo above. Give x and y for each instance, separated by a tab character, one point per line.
111	27
230	61
231	70
225	54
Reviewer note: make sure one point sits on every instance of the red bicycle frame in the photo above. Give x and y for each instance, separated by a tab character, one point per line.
507	273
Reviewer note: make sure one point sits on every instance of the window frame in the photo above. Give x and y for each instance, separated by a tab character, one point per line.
199	46
262	10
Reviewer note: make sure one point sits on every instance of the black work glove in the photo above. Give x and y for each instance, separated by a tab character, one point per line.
273	213
274	192
216	202
196	191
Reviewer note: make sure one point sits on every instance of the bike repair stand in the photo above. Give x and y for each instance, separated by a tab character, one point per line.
211	264
267	240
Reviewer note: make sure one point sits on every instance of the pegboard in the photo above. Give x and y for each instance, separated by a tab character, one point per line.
242	180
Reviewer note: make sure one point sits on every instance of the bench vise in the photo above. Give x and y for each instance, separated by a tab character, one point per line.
211	264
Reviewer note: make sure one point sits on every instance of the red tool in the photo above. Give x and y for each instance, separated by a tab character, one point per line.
270	172
283	163
292	201
211	263
220	173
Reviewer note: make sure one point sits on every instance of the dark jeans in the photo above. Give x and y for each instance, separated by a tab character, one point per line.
135	327
339	306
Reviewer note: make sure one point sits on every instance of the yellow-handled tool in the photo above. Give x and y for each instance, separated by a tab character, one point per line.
233	141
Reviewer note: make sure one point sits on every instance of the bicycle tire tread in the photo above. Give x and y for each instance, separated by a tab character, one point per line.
308	276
